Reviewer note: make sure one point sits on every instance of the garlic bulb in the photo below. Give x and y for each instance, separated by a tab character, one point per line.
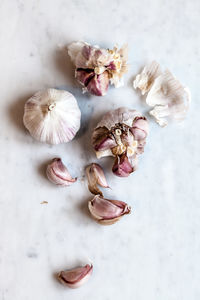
121	133
52	116
96	67
58	174
107	212
96	177
76	277
169	99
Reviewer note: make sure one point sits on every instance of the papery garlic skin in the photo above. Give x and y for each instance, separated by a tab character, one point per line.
121	133
146	78
52	116
96	177
97	67
58	174
76	277
107	212
168	97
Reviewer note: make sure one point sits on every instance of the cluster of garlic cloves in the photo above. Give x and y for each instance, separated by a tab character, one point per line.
95	176
121	133
58	174
76	277
97	67
106	211
168	97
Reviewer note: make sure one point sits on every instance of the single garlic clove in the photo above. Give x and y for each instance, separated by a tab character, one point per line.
107	212
58	173
140	128
96	176
98	85
122	166
84	76
76	277
105	144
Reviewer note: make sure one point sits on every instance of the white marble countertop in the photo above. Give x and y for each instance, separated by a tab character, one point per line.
153	253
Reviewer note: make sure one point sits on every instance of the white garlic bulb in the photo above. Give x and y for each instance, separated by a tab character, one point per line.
52	116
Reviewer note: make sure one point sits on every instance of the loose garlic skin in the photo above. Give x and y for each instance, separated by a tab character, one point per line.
168	98
76	277
52	116
58	174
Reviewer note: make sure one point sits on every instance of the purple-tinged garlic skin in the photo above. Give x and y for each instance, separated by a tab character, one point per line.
96	176
76	277
107	212
121	133
97	67
58	174
122	167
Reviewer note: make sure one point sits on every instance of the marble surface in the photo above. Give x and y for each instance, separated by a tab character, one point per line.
153	253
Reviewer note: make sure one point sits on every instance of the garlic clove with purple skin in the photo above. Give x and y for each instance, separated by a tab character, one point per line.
140	128
107	212
76	277
96	176
58	174
122	167
98	85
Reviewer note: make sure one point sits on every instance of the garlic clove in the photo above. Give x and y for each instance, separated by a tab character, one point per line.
140	128
145	79
96	176
107	212
105	143
58	174
98	85
76	277
52	116
84	76
122	166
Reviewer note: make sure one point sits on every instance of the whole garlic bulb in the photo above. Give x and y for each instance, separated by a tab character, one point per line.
52	116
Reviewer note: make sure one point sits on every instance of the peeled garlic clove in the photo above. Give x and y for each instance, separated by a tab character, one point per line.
76	277
122	167
52	116
98	85
96	176
58	174
146	78
107	212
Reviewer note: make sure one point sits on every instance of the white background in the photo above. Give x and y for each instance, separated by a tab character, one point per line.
153	253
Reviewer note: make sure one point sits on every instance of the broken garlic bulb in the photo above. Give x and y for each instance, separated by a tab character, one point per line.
76	277
58	174
52	116
121	133
168	97
107	212
97	67
95	176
